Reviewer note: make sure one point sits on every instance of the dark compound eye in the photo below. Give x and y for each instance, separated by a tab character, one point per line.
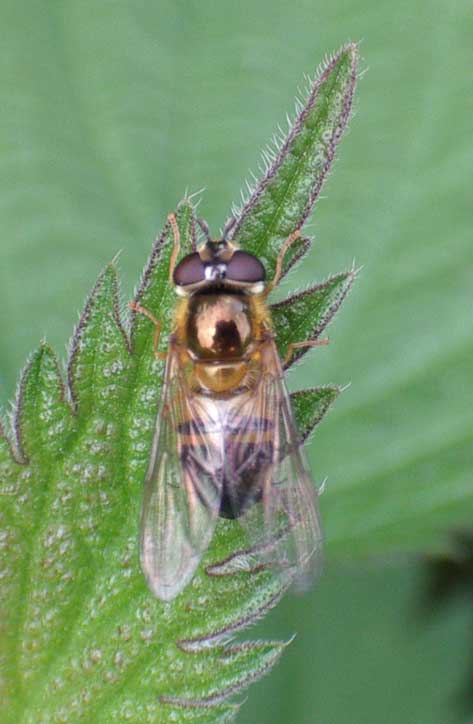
244	267
190	270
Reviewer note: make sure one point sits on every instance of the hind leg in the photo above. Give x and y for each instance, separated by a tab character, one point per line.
291	348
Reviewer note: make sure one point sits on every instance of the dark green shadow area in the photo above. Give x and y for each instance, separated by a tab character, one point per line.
365	652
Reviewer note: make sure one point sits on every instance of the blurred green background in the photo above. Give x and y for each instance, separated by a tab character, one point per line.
110	111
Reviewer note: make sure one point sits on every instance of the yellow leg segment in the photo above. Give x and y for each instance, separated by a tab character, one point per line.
177	245
291	348
279	261
157	325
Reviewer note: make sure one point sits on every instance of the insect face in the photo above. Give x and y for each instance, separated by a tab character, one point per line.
219	263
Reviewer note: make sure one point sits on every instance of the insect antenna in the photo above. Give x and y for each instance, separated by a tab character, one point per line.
229	224
204	227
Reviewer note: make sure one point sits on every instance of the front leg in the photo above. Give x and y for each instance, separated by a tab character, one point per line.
176	248
157	328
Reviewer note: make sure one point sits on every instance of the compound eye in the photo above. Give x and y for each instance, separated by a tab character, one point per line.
244	267
190	270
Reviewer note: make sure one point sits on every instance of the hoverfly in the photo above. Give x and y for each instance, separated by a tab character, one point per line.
225	442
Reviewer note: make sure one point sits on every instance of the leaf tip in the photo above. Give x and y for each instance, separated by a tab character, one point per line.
45	352
311	405
28	379
348	53
103	297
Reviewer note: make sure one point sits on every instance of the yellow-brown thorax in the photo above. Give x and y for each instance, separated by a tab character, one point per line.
219	333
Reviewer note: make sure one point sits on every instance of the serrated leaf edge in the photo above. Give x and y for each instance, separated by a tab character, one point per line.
233	689
83	319
273	155
328	315
318	419
214	638
18	451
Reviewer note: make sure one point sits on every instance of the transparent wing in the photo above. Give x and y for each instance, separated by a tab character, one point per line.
281	518
182	487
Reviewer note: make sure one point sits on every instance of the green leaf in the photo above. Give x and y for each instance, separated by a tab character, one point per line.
83	639
84	635
311	406
297	166
43	418
305	315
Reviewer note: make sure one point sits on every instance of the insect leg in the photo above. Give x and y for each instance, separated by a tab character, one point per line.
175	252
157	328
279	261
291	348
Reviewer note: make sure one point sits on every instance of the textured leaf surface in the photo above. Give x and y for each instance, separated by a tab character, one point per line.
85	639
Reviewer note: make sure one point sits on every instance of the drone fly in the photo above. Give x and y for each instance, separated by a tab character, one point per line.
225	443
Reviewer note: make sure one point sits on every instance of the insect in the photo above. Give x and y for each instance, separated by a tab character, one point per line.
225	442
